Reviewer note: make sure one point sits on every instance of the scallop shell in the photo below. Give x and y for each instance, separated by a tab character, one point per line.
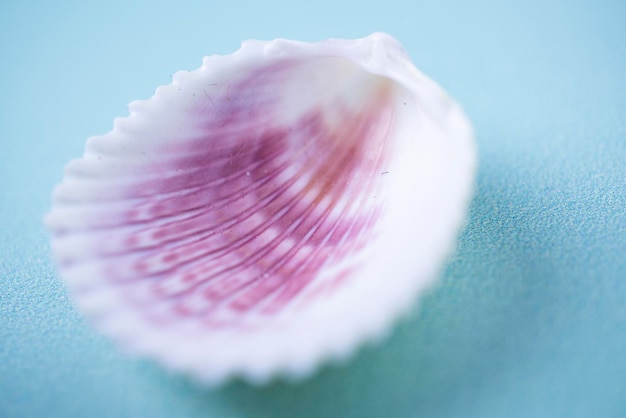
268	211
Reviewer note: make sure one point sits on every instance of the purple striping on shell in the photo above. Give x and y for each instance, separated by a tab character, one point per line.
253	209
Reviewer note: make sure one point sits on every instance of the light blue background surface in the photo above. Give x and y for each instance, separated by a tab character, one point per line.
529	319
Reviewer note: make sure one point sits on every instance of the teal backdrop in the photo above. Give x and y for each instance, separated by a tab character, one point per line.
529	317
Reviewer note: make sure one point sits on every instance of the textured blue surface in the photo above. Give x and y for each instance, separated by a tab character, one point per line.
529	319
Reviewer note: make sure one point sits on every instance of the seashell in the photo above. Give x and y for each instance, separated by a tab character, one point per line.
268	211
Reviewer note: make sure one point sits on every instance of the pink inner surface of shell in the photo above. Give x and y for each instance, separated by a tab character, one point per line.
254	211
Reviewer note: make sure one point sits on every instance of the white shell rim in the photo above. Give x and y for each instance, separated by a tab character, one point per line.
299	353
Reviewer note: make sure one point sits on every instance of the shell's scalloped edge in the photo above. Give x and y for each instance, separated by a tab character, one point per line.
374	53
292	366
338	343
